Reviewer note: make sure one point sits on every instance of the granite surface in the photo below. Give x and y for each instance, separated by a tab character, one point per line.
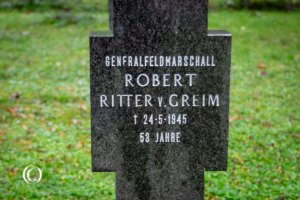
196	95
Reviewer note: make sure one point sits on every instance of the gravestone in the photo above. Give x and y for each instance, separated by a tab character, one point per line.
159	98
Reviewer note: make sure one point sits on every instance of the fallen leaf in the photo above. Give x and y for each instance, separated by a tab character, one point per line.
243	28
12	171
276	181
12	111
83	106
25	127
15	96
31	116
25	33
75	121
26	142
282	197
267	124
61	134
22	115
297	135
58	64
261	66
2	133
43	119
234	118
263	73
238	159
79	145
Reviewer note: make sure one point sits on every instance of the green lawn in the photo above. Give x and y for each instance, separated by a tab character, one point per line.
44	60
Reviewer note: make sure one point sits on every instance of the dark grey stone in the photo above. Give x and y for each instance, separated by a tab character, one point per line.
160	28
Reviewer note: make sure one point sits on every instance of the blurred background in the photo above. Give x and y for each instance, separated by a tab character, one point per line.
44	99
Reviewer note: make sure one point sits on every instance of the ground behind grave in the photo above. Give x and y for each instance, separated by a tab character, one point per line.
45	118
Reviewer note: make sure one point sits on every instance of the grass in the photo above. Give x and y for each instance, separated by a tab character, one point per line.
45	118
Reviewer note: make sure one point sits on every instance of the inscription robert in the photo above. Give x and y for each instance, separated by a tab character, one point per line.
163	80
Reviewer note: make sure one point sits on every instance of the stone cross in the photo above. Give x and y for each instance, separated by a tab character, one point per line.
159	98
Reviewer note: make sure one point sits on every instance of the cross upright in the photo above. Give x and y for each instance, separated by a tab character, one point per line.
159	98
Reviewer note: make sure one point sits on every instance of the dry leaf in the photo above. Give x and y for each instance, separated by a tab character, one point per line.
261	66
12	111
25	33
25	127
22	115
82	106
12	171
15	96
263	73
238	159
75	121
234	118
79	145
61	134
2	133
26	142
267	124
297	135
58	64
